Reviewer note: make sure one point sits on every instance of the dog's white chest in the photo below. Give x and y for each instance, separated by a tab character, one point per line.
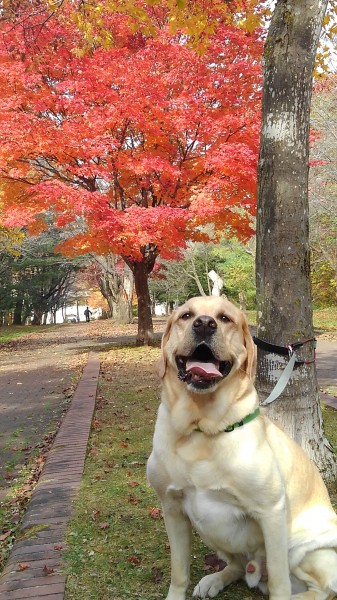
220	521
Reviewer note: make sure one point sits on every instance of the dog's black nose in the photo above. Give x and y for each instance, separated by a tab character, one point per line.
204	325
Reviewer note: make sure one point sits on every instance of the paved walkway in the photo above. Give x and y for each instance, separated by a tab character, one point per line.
327	363
38	374
34	567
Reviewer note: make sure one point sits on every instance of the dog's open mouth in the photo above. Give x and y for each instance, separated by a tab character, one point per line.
202	369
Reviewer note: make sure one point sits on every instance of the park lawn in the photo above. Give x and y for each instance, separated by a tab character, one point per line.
325	319
13	332
117	545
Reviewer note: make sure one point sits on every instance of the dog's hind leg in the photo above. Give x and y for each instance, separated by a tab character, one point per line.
313	595
318	570
210	585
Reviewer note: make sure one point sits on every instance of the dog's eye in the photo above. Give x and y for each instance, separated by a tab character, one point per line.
185	316
224	318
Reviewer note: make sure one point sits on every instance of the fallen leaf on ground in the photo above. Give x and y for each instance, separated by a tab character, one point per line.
48	570
154	513
213	562
133	500
134	560
133	484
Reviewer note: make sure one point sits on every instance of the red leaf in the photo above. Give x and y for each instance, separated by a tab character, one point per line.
133	500
134	560
154	513
212	561
23	566
48	570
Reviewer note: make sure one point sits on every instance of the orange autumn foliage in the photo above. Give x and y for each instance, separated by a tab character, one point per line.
135	146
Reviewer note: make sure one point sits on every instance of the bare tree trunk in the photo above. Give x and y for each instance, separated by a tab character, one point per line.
116	285
17	319
283	259
145	324
37	317
141	270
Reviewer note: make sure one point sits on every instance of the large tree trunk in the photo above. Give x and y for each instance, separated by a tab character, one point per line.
145	324
141	271
283	259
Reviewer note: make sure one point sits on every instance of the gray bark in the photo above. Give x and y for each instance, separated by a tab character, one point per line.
116	286
283	257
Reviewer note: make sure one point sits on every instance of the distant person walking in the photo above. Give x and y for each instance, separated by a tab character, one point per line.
87	314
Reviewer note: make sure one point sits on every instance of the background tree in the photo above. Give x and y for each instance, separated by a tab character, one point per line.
235	263
232	260
323	191
283	253
145	141
36	281
115	281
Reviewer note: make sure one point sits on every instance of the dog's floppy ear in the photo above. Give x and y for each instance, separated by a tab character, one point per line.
164	339
250	362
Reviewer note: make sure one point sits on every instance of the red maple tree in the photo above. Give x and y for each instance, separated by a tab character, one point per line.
134	148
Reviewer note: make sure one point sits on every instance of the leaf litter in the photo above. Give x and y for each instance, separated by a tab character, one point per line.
130	551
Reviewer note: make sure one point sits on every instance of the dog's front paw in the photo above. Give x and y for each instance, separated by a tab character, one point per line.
209	586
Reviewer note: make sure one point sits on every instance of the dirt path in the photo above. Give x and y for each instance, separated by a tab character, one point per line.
38	374
37	377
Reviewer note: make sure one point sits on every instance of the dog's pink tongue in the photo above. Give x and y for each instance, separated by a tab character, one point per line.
203	369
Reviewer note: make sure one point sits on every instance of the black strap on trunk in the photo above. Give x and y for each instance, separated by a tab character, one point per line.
285	350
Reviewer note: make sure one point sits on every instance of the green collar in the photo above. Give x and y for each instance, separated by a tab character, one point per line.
245	420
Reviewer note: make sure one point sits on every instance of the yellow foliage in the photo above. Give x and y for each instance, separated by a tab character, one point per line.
10	241
196	18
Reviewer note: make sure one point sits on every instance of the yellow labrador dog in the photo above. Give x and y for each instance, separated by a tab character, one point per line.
218	464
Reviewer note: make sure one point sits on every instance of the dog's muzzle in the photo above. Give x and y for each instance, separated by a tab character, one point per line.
202	369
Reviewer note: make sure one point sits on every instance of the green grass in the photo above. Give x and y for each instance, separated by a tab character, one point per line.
13	332
9	333
117	544
114	542
325	319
